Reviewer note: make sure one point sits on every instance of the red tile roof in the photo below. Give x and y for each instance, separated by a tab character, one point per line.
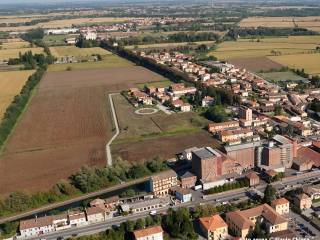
147	231
213	223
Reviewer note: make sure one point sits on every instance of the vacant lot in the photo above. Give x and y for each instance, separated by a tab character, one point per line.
57	40
108	61
308	62
66	126
256	64
14	53
11	84
312	23
62	51
247	48
152	131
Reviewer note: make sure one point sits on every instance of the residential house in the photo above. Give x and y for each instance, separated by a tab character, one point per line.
150	233
281	205
214	227
95	214
207	101
185	107
313	191
36	226
77	219
303	201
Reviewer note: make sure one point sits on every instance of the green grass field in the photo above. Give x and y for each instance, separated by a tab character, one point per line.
108	61
280	76
248	48
167	45
54	40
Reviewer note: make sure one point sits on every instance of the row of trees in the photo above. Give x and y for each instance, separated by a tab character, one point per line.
229	186
31	61
176	37
268	31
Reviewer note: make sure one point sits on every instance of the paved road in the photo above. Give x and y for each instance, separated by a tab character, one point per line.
115	120
225	196
164	108
300	220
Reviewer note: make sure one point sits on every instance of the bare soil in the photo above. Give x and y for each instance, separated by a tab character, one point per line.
65	127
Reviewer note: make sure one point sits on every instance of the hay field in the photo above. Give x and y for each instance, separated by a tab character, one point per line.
247	48
15	44
309	62
5	54
11	84
62	51
312	23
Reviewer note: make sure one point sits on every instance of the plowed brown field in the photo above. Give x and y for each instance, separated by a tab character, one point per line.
65	126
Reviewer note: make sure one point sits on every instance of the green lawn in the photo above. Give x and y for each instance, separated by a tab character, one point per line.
53	40
280	76
108	61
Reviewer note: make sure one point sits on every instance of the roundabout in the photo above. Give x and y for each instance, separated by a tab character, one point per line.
146	111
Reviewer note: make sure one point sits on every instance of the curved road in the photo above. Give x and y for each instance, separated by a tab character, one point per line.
115	120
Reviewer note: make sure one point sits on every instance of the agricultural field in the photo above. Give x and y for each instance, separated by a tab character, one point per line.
62	51
14	53
11	84
308	62
168	45
108	61
65	126
248	48
154	130
65	23
256	64
312	23
18	43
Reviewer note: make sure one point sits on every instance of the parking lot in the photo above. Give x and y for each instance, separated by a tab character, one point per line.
301	227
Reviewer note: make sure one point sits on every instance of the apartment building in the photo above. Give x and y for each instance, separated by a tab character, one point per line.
160	184
303	201
217	127
240	222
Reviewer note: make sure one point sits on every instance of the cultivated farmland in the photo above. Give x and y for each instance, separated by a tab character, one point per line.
66	126
168	45
312	23
308	62
11	84
14	53
248	48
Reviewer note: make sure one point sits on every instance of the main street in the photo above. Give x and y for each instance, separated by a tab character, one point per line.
230	196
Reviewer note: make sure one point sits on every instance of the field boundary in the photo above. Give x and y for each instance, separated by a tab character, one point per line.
115	120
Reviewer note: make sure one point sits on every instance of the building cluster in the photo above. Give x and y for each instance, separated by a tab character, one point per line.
100	210
239	223
171	96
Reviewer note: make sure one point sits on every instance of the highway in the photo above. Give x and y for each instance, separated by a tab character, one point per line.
230	196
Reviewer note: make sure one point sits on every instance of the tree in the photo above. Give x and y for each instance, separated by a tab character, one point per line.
140	223
257	232
269	194
277	110
216	113
148	221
